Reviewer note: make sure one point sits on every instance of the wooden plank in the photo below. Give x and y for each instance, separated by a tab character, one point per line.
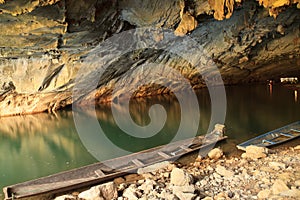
138	163
99	173
164	155
268	141
286	134
295	130
186	148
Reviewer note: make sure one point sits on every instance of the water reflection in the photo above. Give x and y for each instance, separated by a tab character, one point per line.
252	111
37	145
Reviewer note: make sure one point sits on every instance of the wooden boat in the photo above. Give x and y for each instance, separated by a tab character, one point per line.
274	137
107	170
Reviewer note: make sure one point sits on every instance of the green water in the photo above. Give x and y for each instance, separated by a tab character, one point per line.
38	145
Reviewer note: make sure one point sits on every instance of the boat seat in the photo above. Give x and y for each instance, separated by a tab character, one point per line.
295	130
268	141
286	134
164	155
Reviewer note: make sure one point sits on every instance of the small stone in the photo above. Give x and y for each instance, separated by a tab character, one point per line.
297	183
180	177
223	171
279	186
277	165
199	158
215	154
243	59
264	194
147	186
221	196
297	147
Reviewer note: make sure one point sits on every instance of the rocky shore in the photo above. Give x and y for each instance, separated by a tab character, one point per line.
259	173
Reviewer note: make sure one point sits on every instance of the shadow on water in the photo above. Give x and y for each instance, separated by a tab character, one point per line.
33	146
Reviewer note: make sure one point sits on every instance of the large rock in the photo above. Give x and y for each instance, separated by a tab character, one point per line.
255	152
279	186
107	191
180	177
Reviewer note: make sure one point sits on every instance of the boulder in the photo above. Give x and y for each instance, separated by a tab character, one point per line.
180	177
105	191
255	152
91	194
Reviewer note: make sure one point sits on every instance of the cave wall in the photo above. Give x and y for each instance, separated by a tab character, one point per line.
43	44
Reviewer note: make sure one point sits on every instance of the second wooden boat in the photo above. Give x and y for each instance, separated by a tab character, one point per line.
274	137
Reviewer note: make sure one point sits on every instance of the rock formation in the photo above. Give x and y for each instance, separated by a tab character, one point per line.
45	43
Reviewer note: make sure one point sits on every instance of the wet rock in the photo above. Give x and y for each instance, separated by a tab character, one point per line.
215	153
264	194
254	152
279	186
223	171
180	177
152	168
